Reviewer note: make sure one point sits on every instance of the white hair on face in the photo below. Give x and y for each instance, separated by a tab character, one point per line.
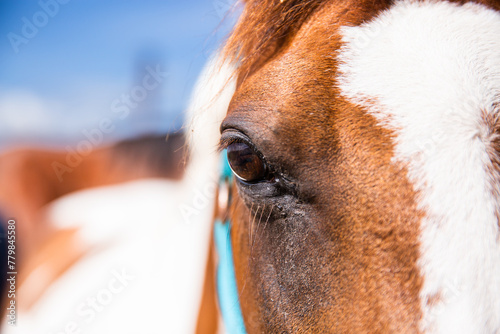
430	71
208	107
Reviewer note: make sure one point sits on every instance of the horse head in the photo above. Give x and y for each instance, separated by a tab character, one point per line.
364	140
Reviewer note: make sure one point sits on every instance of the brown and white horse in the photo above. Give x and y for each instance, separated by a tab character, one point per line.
364	135
106	222
31	178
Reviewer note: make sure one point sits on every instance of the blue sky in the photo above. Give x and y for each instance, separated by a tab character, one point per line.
62	78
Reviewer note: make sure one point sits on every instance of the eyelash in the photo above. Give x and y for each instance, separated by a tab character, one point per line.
224	142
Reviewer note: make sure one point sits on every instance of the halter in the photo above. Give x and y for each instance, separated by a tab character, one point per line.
227	291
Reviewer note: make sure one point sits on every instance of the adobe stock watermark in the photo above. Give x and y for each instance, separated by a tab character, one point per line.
201	199
32	25
88	310
122	108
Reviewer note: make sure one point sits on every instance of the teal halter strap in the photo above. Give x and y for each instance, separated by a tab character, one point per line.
227	290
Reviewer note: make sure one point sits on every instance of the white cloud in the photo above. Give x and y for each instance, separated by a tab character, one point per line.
24	113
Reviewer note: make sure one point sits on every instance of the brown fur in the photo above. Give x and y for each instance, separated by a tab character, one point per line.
492	140
339	255
208	318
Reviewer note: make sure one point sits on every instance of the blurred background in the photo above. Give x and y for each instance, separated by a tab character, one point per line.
112	233
65	64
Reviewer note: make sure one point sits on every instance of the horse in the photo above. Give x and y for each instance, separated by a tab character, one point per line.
32	178
364	140
72	215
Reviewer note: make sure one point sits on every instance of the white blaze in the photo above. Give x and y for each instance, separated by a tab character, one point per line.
429	71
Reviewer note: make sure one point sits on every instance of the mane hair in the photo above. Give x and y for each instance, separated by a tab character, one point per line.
264	28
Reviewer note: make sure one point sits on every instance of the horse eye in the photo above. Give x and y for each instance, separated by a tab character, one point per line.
245	163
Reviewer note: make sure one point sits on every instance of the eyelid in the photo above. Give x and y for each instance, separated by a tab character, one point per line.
225	142
231	136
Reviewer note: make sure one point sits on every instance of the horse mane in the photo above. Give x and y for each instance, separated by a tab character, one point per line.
265	26
263	29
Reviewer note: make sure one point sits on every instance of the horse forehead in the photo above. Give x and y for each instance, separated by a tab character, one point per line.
302	76
290	89
333	50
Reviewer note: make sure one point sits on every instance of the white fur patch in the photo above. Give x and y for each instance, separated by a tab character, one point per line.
429	71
